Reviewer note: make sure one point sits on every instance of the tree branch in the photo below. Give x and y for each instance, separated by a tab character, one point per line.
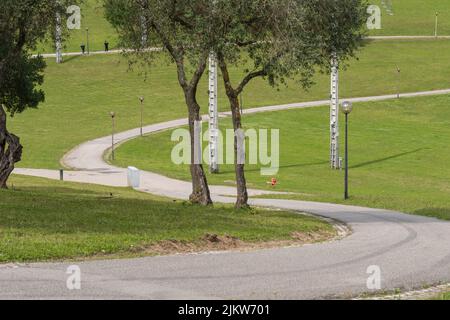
248	78
226	75
200	71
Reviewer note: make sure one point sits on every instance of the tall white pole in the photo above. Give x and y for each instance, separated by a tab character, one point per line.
144	30
144	36
58	38
334	115
213	113
213	116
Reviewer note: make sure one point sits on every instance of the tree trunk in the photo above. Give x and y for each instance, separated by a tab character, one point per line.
239	168
241	183
200	189
10	150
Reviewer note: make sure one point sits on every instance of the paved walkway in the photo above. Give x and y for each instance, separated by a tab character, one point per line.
87	158
116	51
92	53
411	251
408	37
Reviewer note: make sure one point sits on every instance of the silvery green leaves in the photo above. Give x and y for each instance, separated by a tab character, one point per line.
23	24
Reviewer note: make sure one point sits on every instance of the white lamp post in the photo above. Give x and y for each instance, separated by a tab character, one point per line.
113	116
141	99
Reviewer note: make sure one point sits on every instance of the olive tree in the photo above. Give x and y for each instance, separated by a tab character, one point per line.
278	40
271	39
182	29
23	24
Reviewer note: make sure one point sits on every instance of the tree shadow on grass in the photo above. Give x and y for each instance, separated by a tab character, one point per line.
363	164
67	59
281	167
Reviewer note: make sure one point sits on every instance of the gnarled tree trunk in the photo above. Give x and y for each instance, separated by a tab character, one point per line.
232	94
241	183
200	189
10	150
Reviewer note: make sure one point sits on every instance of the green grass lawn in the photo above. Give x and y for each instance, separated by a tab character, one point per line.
399	156
411	17
414	17
81	92
444	296
92	17
43	220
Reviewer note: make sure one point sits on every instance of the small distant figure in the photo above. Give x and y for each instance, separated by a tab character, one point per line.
273	182
83	48
106	46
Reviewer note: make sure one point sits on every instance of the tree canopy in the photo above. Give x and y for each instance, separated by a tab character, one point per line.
181	28
273	39
279	40
23	24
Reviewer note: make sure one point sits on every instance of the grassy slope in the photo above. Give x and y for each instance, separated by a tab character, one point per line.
414	17
82	92
92	17
42	219
399	157
411	17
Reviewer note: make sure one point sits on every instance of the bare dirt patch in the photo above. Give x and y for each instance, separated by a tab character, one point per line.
214	242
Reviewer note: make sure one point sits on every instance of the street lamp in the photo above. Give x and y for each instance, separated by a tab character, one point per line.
241	102
436	25
113	116
142	114
87	40
347	108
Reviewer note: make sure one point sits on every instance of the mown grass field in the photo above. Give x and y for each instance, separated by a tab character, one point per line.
410	17
81	92
46	220
92	17
398	155
413	17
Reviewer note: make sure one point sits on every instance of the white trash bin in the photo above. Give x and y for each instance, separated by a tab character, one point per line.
134	177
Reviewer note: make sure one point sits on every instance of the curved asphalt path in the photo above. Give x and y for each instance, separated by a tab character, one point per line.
411	251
